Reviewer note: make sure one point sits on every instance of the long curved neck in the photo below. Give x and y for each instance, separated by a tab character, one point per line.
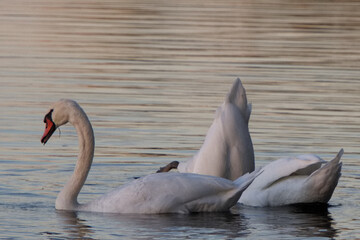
67	198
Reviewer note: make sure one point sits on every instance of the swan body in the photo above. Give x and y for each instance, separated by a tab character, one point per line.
155	193
170	193
227	150
302	179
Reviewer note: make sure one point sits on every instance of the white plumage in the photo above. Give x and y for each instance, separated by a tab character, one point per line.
292	180
156	193
228	152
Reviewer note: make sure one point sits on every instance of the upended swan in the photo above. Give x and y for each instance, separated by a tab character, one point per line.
228	152
155	193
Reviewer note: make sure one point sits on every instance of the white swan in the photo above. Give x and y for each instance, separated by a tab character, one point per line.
156	193
228	152
294	180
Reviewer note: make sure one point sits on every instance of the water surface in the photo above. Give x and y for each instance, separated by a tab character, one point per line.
150	75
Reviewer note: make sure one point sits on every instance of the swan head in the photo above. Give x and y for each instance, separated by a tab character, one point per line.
60	113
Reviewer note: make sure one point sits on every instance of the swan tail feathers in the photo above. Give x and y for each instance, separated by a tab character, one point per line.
237	96
338	156
326	178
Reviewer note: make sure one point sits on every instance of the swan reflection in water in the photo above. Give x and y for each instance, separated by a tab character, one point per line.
242	221
73	226
301	220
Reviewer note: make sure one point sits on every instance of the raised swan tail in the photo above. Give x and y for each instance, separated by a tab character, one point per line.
237	96
326	178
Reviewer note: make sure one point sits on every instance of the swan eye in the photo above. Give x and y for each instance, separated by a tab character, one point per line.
48	116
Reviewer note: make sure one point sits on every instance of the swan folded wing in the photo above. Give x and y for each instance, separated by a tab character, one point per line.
318	186
169	193
220	198
285	191
301	186
205	194
276	183
280	169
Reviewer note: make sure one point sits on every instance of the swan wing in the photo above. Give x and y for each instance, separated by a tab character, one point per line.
301	180
171	193
274	186
285	167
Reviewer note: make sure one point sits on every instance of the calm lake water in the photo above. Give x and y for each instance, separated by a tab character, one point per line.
150	75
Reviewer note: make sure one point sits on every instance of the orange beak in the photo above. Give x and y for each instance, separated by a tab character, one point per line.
49	128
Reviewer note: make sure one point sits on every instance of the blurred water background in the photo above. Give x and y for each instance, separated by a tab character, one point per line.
150	75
